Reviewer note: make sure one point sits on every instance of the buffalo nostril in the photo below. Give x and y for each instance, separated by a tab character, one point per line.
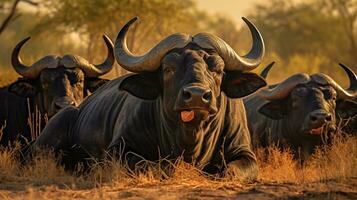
58	107
313	118
186	95
207	96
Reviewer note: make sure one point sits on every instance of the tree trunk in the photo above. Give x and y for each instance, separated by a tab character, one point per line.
7	20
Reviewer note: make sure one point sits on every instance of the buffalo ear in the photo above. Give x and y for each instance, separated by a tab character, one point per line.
92	84
276	109
238	84
143	85
23	88
346	108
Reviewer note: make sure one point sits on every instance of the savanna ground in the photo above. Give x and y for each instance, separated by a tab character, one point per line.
330	173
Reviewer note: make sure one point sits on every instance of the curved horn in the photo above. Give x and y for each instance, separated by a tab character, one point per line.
352	76
351	93
284	88
35	69
231	59
149	61
266	70
341	93
71	61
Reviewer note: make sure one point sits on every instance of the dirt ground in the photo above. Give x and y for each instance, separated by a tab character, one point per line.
342	189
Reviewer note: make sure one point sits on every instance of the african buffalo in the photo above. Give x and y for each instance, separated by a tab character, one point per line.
49	85
183	100
299	112
349	121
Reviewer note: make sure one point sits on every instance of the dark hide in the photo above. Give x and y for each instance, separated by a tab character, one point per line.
53	90
139	115
291	122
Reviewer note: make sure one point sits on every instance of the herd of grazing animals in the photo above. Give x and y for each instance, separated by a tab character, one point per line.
189	97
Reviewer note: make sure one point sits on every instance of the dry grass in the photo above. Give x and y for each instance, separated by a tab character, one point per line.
335	161
42	177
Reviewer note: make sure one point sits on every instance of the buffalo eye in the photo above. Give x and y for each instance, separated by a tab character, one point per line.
300	92
169	71
295	104
297	94
75	78
329	95
215	64
219	72
80	80
45	83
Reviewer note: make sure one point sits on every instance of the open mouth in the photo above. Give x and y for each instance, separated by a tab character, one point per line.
193	116
320	130
316	131
187	115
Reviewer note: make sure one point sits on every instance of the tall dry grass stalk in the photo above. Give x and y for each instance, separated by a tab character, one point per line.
337	160
8	161
35	120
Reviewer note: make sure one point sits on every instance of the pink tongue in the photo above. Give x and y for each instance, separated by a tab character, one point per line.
316	131
187	116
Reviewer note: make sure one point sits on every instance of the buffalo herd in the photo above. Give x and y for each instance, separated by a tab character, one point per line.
189	97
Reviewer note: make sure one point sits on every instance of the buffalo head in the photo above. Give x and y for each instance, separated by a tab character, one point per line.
189	73
311	104
348	109
56	82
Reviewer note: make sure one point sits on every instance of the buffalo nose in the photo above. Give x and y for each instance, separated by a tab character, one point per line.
198	94
320	117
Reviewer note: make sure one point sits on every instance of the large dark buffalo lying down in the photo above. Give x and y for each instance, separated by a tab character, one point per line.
183	100
299	112
49	85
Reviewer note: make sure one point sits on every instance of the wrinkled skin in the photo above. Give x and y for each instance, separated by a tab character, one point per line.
301	121
52	91
143	118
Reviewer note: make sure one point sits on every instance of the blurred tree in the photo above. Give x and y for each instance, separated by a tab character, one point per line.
55	42
303	31
346	10
12	11
238	37
90	19
224	27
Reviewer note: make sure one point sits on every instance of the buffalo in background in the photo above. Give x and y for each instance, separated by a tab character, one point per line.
348	121
47	86
300	112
